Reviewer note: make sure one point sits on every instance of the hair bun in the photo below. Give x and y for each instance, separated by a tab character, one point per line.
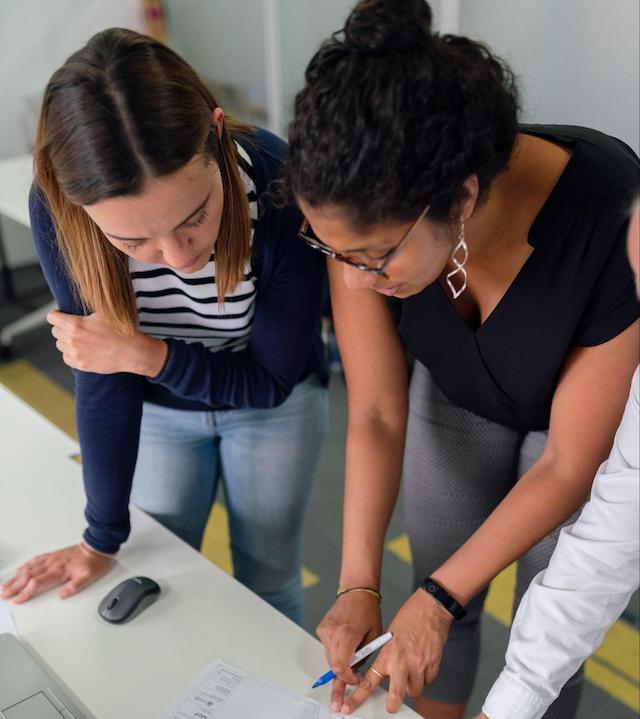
388	26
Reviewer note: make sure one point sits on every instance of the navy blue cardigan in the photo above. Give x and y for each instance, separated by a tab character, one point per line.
284	348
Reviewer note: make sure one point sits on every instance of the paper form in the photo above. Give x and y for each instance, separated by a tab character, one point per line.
7	625
223	691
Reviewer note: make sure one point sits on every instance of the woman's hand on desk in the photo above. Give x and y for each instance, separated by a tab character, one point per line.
89	344
74	567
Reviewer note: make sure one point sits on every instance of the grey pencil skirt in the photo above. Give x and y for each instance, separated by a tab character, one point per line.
457	468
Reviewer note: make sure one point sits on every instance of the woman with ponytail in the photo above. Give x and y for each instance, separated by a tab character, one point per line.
495	254
188	309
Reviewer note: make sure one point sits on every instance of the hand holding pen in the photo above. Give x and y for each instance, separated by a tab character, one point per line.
361	654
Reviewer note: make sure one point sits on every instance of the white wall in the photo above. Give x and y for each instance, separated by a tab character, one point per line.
304	24
577	60
223	41
36	37
220	39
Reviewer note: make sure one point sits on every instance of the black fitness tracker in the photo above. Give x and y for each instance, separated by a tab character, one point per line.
443	597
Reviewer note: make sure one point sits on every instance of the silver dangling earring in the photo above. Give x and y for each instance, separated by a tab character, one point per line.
459	263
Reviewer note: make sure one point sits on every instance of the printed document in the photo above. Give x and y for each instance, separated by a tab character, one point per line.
223	691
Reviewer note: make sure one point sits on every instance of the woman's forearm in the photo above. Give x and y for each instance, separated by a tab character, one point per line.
539	502
372	479
108	410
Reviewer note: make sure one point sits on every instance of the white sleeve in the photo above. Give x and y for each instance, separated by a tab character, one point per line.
593	572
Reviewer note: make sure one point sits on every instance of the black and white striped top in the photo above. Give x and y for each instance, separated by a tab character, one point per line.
185	306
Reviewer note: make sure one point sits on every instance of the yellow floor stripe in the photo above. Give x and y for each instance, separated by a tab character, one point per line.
44	395
499	601
623	690
614	668
400	547
621	649
309	579
215	545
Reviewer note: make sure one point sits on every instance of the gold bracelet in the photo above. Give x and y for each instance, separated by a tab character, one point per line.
368	590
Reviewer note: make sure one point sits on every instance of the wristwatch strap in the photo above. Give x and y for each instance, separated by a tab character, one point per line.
441	595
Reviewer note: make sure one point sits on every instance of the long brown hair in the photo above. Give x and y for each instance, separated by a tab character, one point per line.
121	110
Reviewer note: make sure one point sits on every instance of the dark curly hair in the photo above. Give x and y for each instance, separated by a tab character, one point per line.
393	117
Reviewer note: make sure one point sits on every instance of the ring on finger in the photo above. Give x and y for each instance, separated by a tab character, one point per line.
377	672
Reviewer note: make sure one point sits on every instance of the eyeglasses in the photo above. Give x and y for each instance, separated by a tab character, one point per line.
314	243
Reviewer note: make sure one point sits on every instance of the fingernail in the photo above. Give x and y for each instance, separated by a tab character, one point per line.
344	709
335	706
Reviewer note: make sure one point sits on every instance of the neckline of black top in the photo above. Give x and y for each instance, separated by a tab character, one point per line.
553	217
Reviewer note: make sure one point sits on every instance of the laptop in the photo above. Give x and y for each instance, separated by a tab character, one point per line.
26	689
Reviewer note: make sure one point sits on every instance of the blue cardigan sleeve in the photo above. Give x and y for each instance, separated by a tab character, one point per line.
285	325
108	410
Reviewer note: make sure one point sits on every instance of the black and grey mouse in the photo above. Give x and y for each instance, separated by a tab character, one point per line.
128	599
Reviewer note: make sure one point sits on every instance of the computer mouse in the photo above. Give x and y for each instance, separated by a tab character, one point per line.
128	599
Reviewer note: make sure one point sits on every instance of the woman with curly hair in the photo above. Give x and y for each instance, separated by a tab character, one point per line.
495	254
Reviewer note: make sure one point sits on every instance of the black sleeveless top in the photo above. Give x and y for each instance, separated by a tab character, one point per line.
575	289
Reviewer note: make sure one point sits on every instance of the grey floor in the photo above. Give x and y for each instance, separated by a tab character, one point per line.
323	525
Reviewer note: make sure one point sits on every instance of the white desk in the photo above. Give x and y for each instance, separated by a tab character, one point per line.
134	671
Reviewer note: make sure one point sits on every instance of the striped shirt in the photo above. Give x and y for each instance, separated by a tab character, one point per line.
185	306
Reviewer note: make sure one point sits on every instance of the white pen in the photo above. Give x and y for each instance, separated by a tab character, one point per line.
357	657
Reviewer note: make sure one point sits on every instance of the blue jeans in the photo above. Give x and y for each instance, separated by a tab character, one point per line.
266	459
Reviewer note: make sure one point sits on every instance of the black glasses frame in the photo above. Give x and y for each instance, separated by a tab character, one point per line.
376	270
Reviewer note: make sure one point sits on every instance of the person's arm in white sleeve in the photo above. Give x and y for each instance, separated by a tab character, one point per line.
592	574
